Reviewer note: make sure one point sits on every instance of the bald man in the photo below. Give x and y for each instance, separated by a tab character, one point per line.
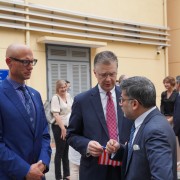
24	139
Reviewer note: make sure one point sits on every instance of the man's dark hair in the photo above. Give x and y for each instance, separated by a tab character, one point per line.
141	89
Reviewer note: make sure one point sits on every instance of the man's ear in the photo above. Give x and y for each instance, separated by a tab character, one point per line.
8	62
94	72
135	104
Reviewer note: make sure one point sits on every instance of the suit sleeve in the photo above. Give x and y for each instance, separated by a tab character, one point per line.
176	117
162	102
119	155
45	154
75	137
159	155
10	162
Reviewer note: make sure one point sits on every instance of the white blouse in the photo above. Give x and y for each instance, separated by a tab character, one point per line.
61	107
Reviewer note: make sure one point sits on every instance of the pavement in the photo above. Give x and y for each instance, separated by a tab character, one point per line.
50	174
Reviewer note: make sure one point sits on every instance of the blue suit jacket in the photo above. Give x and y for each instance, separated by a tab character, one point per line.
176	117
87	122
154	151
20	145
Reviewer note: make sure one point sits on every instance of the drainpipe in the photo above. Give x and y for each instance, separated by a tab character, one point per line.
27	36
27	33
166	48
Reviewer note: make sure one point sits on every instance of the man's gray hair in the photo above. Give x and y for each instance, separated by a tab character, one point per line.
141	89
105	57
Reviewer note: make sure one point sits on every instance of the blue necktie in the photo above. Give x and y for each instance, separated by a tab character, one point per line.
130	141
28	105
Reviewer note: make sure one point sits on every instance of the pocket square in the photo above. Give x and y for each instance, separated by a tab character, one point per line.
136	147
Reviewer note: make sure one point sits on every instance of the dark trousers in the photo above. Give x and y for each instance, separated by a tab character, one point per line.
61	154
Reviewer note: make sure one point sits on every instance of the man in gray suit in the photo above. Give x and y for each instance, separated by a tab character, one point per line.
151	150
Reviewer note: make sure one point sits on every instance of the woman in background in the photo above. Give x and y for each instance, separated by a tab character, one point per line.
168	98
61	108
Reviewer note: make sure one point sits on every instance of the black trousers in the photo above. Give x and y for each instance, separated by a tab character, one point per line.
61	154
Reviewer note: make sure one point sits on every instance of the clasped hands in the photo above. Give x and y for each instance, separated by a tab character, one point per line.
95	149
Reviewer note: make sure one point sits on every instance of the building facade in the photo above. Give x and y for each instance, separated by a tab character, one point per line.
173	20
66	35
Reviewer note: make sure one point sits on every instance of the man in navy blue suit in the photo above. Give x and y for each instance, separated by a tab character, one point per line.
88	131
176	117
24	139
151	150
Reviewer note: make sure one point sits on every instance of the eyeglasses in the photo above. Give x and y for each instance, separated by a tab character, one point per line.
121	99
25	62
105	75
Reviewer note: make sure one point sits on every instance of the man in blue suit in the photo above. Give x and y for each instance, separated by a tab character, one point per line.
24	139
88	131
151	150
176	116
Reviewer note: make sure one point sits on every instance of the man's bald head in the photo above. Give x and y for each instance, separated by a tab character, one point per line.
15	50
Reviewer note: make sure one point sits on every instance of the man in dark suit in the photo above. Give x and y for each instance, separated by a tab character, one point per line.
176	116
88	131
24	139
151	150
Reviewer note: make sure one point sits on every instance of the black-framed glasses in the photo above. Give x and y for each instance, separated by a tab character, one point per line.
105	75
121	99
24	61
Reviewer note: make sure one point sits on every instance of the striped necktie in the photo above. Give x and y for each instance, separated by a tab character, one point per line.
111	118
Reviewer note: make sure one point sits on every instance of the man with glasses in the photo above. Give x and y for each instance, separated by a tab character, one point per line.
24	139
150	152
96	117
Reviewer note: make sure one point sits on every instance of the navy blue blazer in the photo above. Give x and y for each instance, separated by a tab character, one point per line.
176	117
154	151
20	145
87	122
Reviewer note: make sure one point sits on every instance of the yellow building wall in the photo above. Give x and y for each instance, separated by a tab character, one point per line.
173	10
143	11
134	59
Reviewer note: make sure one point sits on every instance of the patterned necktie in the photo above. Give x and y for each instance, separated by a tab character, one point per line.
111	118
28	105
130	141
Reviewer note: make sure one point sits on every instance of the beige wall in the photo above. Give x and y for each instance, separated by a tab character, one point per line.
142	11
134	59
173	10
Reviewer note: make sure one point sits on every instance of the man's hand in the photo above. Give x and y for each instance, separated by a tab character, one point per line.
112	146
36	171
94	148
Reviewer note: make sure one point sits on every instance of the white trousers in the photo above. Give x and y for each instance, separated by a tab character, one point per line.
74	171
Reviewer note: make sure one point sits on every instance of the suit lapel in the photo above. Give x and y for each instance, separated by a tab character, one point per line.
96	102
14	98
